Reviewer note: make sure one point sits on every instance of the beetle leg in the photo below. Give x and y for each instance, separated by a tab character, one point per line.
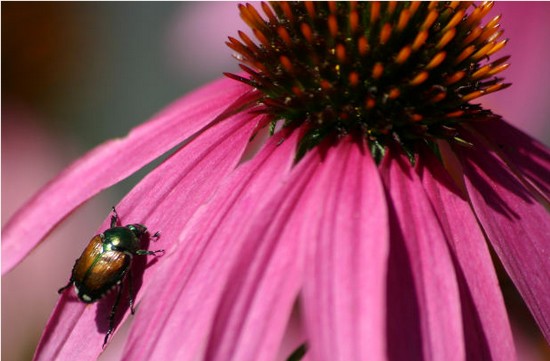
112	316
156	236
71	280
131	292
143	252
65	287
114	218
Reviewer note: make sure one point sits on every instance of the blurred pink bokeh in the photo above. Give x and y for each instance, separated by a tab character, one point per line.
196	36
30	157
525	104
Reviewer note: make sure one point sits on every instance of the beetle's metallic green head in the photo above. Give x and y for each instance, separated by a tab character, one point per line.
138	229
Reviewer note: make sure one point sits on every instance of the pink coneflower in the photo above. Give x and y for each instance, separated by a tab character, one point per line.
361	229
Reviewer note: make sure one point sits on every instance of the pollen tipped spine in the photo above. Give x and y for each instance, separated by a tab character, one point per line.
388	70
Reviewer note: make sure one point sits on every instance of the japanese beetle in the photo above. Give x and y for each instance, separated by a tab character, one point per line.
106	263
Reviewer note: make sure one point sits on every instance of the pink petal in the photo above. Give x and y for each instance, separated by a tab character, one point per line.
197	274
111	162
264	283
164	201
517	226
488	335
424	312
526	154
346	225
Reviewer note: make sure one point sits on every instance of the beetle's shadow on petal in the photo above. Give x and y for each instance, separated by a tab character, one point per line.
132	282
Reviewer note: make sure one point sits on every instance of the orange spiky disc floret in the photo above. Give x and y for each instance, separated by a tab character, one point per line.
390	71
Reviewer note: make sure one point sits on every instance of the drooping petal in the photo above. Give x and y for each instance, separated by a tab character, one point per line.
90	174
294	338
257	302
526	154
168	196
196	275
487	332
424	315
517	226
344	219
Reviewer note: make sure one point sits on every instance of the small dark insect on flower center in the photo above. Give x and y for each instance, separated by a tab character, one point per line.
389	71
